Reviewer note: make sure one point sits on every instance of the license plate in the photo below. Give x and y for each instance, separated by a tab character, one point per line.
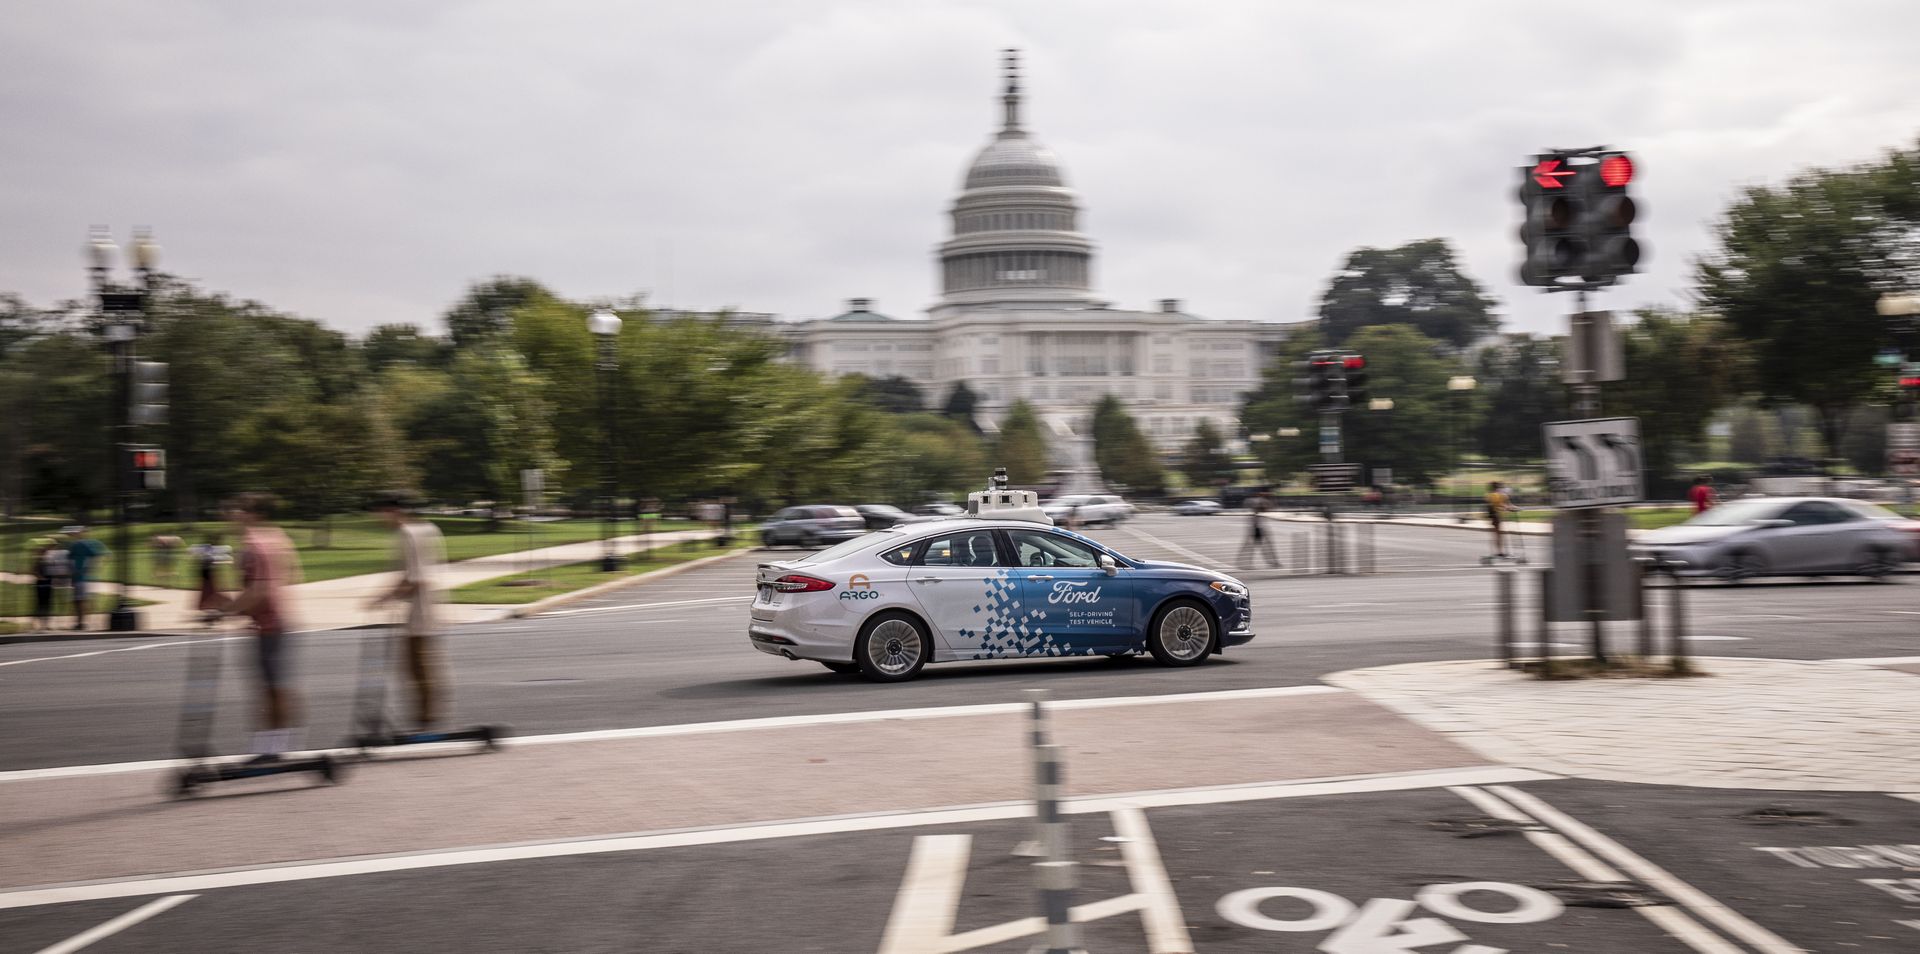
769	595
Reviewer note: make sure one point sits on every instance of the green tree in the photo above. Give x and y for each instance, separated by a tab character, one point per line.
1681	369
1520	390
1020	446
1754	436
930	457
1403	365
475	436
1204	459
56	410
1797	273
895	395
401	344
1124	455
1418	284
961	404
320	459
486	310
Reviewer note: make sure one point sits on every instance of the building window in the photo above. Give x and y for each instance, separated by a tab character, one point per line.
989	365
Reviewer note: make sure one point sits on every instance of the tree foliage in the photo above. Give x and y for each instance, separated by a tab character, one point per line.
895	394
1681	369
1020	446
486	310
1122	452
1204	460
1419	284
1519	390
961	404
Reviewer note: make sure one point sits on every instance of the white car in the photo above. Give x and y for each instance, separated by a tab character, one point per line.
989	587
1089	509
1197	508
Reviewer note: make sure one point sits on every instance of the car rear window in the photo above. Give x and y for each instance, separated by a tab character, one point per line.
843	512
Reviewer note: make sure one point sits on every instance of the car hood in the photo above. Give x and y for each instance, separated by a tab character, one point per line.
1185	568
1680	536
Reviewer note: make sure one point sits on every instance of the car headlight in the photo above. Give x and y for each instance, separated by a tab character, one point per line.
1230	588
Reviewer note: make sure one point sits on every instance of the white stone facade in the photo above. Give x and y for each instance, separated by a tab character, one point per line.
1018	319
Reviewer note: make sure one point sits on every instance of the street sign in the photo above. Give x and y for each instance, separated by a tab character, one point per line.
1594	352
1594	463
1334	478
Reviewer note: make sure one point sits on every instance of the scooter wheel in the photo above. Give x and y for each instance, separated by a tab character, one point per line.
184	784
329	770
491	739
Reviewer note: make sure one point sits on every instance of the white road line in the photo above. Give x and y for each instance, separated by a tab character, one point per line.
1160	908
1585	865
740	725
929	897
1881	661
1697	901
1913	797
1028	927
638	606
1168	545
115	926
345	867
103	652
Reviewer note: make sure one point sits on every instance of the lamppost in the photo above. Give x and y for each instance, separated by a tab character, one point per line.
122	313
1460	385
605	326
1901	311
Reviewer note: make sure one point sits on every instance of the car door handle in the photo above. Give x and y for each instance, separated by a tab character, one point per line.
926	579
1036	577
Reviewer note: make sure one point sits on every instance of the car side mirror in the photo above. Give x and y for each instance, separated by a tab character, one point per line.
1107	564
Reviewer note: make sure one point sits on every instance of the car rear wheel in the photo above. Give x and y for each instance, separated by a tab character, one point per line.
1742	565
766	539
1878	563
1183	633
892	648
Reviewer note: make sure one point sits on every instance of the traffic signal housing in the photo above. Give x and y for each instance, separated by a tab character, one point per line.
1353	369
149	468
1319	372
1608	213
1550	233
149	393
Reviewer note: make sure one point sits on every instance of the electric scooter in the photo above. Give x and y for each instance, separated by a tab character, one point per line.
372	728
205	658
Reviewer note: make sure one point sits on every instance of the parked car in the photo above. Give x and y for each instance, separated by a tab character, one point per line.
812	526
1205	507
937	509
882	516
1780	536
1089	509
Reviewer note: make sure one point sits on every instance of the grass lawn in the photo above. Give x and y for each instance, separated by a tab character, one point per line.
1651	518
16	599
357	543
576	576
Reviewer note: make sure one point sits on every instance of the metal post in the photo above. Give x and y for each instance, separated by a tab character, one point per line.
1302	551
1366	531
1586	396
608	562
1543	634
1503	599
1643	576
1677	606
1333	543
1055	874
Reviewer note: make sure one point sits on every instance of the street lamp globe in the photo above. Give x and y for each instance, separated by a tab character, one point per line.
146	252
1462	382
1380	404
100	249
604	323
1898	306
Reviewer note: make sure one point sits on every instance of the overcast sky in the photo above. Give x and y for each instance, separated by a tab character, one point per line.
360	163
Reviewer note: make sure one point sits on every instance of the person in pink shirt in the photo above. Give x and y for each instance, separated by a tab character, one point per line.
268	565
1701	494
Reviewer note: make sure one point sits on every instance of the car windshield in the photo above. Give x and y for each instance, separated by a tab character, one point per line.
1873	511
1736	513
846	548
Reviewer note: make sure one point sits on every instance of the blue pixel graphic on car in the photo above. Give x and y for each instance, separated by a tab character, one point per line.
1012	630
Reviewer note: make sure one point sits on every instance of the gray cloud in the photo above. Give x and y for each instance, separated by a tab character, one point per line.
361	162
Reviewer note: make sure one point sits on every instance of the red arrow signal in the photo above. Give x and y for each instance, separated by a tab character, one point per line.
1548	173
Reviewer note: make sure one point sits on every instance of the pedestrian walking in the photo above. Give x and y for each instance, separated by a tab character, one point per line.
419	553
208	557
83	556
1258	540
268	565
1498	506
46	569
1701	494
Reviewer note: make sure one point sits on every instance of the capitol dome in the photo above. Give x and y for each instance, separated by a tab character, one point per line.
1014	159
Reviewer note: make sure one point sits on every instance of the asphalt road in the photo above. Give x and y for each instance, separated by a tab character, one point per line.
674	650
1655	871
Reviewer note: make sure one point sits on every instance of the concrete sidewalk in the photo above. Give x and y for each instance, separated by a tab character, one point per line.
341	603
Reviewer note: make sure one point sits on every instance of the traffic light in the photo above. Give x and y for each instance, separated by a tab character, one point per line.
1550	232
1354	370
1317	383
1608	213
149	392
150	468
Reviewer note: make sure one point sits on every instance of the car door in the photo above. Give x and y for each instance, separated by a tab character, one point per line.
1077	607
779	529
1809	545
968	594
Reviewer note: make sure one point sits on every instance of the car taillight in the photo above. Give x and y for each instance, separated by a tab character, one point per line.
798	583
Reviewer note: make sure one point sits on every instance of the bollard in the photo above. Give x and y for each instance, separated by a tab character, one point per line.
1055	874
1035	847
1333	545
1369	529
1677	606
1642	575
1503	596
1543	637
1302	551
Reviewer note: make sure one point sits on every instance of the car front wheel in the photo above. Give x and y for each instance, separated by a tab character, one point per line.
1742	565
1182	634
892	647
1879	563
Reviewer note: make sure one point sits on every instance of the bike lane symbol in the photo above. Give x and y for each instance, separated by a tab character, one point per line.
1388	925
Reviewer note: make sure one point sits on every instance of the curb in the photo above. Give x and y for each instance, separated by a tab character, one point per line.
1530	528
540	606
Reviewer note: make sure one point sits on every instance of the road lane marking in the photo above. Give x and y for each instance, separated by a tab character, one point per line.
1167	545
123	649
1160	907
1585	865
1695	900
929	897
374	864
733	725
1881	661
115	926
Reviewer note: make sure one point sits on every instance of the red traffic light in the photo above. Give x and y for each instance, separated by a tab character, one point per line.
1616	170
1910	382
1354	362
148	460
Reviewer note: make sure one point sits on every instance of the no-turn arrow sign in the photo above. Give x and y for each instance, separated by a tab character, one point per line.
1594	463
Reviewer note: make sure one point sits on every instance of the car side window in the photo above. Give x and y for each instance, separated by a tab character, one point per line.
971	548
1034	548
898	556
1813	513
787	514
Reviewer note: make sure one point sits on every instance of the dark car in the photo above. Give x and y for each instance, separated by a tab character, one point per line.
882	516
812	526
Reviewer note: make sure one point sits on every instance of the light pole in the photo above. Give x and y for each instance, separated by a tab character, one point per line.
1460	385
605	326
121	314
1901	311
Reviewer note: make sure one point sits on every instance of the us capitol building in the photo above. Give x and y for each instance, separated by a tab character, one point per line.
1018	317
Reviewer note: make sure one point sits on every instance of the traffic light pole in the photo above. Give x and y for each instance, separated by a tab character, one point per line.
1586	405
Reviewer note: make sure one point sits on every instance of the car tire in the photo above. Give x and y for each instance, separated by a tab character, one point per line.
1740	566
1183	633
843	668
892	647
810	542
766	539
1878	563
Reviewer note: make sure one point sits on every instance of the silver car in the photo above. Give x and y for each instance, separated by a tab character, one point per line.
1780	536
